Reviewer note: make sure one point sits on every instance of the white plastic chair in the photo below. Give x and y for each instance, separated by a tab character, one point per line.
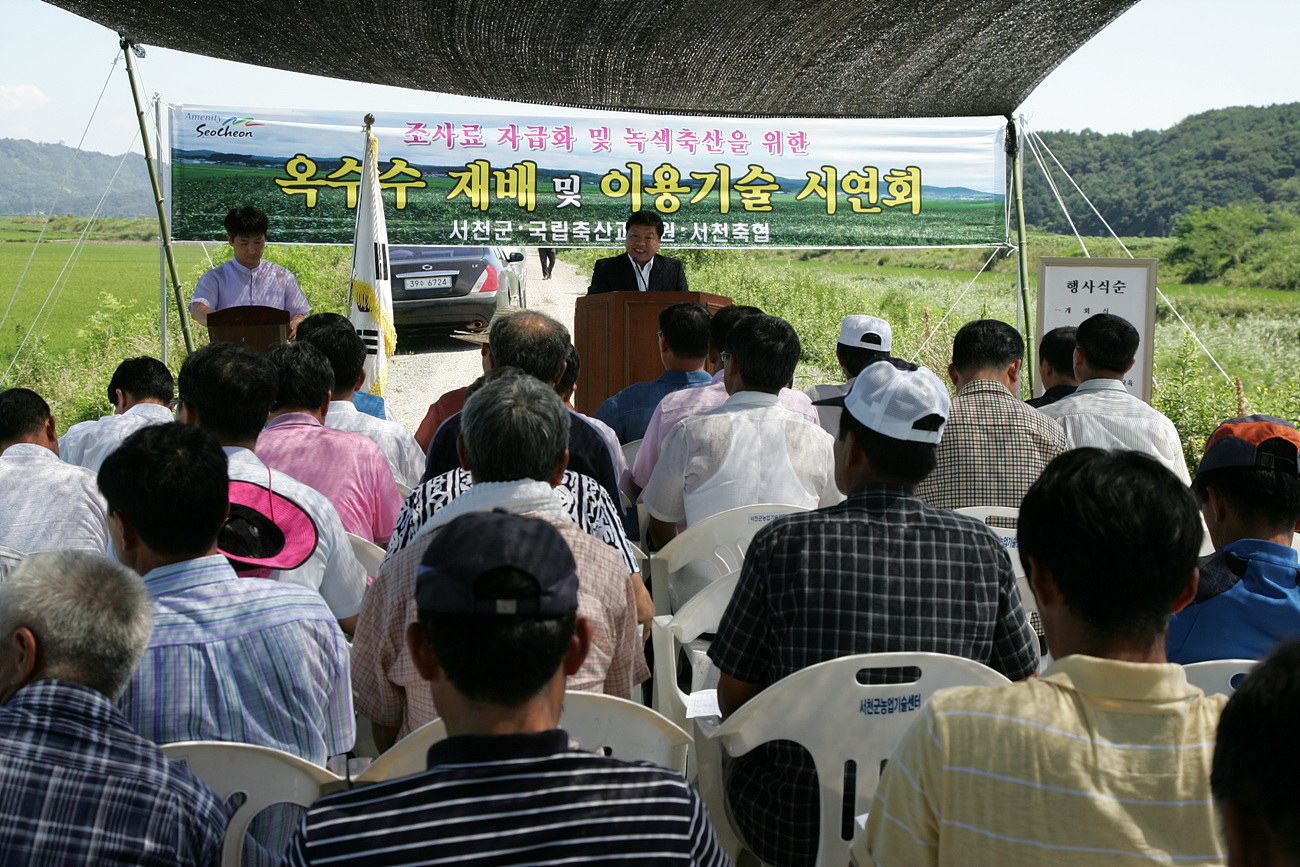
1219	676
1295	541
370	554
630	450
838	720
403	490
624	728
1009	540
669	633
707	551
264	776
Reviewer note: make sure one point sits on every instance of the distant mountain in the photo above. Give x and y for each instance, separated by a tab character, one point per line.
1142	182
35	173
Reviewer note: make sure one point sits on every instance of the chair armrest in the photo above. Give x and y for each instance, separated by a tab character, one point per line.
712	788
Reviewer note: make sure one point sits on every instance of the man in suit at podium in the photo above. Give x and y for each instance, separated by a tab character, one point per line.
642	269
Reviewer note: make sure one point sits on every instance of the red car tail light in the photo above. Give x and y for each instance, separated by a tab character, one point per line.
487	281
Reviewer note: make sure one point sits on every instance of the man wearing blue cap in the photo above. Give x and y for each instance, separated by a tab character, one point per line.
497	633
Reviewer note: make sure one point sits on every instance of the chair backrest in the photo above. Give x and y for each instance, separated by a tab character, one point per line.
403	490
667	633
264	776
1009	540
624	730
629	731
408	756
707	551
840	720
1219	676
630	450
370	554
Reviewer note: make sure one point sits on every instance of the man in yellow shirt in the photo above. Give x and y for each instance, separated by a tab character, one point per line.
1105	758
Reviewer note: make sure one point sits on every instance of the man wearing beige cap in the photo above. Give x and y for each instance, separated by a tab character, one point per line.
863	339
880	572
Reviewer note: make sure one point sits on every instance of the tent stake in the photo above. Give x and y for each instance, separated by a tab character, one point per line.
165	234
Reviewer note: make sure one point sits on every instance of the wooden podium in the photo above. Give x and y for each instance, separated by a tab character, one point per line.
254	326
617	337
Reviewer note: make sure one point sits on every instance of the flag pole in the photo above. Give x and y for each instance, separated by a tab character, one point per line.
369	121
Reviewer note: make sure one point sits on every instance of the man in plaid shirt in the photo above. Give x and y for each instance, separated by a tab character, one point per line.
994	446
880	572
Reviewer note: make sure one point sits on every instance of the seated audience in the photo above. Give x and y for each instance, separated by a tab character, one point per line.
751	449
454	401
1101	412
880	572
231	659
227	389
568	382
583	499
994	447
1105	757
1056	366
334	335
539	346
499	630
45	504
862	341
1256	763
141	393
683	349
1247	600
348	468
693	401
513	442
77	784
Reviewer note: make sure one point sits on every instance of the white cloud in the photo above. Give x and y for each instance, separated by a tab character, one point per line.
21	97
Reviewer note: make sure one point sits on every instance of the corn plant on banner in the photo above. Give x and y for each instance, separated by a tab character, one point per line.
572	180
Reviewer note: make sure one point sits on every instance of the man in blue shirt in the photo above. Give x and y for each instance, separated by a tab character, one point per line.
1247	600
683	348
77	784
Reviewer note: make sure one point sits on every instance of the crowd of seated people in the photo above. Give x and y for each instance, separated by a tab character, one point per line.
181	570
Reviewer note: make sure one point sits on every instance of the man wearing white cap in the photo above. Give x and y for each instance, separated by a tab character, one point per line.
863	339
880	572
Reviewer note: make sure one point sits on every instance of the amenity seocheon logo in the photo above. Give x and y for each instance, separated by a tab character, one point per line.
226	127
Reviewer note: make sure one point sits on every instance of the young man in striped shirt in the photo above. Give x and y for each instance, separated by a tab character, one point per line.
497	632
1106	757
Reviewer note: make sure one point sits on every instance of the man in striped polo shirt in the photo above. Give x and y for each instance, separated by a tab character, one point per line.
1106	757
497	632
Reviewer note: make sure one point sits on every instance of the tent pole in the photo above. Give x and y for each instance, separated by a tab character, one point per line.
1022	264
158	198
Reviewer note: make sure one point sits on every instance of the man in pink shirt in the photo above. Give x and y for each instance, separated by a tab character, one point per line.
348	468
695	401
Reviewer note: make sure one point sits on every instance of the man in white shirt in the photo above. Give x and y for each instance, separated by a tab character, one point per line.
141	393
334	335
1101	412
227	389
751	449
695	401
45	504
246	279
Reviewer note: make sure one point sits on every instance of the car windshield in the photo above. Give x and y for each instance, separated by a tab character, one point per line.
422	252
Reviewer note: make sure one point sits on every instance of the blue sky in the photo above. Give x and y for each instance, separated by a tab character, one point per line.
1159	62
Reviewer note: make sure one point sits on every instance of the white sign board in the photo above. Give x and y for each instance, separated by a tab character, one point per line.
1070	290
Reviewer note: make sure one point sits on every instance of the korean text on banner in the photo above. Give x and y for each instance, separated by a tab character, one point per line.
371	296
570	180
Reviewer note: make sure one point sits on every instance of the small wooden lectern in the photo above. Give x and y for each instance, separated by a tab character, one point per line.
254	326
616	334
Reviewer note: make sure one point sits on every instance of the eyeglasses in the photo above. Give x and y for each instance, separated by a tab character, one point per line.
724	355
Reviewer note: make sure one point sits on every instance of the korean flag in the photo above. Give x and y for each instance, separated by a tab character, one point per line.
371	294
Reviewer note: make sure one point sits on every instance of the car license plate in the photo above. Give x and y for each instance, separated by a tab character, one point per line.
428	282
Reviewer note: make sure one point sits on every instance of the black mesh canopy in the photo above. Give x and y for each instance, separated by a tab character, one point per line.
799	58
